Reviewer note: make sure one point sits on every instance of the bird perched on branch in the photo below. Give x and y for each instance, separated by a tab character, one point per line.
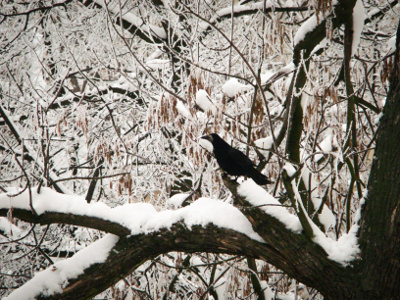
231	160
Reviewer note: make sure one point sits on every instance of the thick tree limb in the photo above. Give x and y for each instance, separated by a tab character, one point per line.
291	251
380	224
300	257
130	252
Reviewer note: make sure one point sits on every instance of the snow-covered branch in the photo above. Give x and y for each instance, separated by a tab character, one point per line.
270	230
260	208
84	274
139	218
210	224
132	23
313	31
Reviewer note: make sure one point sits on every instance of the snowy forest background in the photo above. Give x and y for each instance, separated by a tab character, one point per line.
105	101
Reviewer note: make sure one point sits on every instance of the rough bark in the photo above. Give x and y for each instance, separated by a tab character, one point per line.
130	252
380	226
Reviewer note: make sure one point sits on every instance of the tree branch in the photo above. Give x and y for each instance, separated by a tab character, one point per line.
296	253
67	218
147	35
291	251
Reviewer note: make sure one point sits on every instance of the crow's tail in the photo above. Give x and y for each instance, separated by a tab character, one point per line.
259	178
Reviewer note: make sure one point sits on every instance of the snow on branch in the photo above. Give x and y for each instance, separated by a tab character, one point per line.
8	229
151	31
259	197
307	27
312	32
258	6
137	218
54	279
341	251
251	8
271	78
359	16
204	101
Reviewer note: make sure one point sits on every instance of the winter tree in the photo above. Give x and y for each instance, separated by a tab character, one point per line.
106	191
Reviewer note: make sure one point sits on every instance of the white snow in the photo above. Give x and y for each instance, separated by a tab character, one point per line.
269	77
139	218
233	87
326	217
236	8
310	25
307	27
56	277
359	16
124	83
157	64
373	12
290	169
268	292
183	110
342	251
325	145
202	212
254	6
176	200
259	197
241	8
265	144
9	228
204	102
323	44
266	76
391	45
290	67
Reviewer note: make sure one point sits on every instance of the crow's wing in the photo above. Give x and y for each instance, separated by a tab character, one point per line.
240	158
247	168
239	164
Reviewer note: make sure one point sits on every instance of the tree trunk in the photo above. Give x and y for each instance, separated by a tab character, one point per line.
380	226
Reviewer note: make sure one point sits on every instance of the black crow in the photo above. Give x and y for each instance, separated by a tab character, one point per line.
231	160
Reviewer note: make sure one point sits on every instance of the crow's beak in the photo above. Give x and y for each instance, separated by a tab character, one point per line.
206	143
207	137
